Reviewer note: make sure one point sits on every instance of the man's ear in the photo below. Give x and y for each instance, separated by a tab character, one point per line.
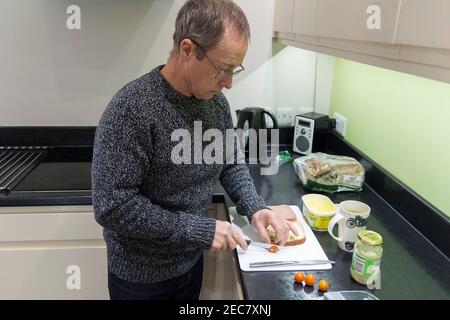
187	48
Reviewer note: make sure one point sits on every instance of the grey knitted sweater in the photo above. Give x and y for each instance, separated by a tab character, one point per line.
154	212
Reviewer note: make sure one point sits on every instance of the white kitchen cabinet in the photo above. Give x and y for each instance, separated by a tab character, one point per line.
283	15
305	12
53	270
361	47
358	20
58	252
283	18
426	56
412	35
424	23
51	252
304	24
48	223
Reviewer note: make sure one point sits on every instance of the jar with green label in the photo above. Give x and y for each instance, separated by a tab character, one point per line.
366	256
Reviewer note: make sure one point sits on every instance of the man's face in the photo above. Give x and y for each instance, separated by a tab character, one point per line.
227	56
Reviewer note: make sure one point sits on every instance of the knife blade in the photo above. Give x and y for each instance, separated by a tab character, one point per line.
261	244
289	263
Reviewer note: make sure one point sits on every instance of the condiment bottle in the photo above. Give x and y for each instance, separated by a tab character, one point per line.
365	267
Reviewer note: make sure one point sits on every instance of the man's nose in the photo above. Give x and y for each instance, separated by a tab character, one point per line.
227	82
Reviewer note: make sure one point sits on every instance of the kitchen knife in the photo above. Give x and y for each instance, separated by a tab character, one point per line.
261	244
288	263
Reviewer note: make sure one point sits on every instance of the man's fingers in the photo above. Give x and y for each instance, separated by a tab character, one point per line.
262	232
280	239
282	232
231	243
239	240
292	228
279	218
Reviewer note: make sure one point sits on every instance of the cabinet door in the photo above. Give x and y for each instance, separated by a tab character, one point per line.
425	23
53	270
51	252
305	12
283	15
360	20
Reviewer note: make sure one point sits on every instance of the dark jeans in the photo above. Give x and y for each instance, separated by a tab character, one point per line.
184	287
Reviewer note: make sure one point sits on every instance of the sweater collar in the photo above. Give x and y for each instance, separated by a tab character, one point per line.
171	93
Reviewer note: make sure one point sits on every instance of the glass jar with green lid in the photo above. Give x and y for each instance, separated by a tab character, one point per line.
366	256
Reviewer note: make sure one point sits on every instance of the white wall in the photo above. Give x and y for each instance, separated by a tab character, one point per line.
52	76
286	80
55	76
254	86
324	82
294	79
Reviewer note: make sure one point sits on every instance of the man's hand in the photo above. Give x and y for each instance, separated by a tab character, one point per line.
227	237
278	219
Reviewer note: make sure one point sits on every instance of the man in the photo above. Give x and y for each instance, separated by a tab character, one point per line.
154	212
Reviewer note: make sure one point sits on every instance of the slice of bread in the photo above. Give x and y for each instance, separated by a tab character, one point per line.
292	238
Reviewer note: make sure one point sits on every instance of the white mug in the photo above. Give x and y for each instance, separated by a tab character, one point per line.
351	218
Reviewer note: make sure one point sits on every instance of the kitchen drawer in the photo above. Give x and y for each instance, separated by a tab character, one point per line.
53	270
48	223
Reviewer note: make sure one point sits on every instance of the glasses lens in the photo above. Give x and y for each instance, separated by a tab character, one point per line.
222	74
238	70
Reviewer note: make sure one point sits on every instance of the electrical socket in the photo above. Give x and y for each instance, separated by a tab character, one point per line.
285	116
341	123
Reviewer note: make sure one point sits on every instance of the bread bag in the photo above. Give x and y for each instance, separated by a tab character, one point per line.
329	173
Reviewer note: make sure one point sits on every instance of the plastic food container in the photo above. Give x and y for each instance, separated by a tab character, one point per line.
318	211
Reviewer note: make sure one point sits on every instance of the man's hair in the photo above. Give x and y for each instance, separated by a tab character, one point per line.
205	21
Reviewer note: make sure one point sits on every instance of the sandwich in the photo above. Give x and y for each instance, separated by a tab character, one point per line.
292	238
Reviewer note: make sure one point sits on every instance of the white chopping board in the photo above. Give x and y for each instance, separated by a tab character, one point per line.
310	249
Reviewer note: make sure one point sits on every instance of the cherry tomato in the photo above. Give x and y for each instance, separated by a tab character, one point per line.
299	277
310	280
323	285
274	249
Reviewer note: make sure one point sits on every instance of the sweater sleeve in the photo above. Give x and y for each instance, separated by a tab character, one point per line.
120	165
237	181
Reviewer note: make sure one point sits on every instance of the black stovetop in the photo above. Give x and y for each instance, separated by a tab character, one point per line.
64	169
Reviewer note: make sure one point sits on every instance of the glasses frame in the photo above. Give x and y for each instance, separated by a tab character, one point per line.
221	74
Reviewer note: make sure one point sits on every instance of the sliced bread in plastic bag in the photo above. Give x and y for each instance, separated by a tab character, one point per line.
329	173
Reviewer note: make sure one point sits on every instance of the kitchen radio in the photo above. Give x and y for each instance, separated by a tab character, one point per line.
311	132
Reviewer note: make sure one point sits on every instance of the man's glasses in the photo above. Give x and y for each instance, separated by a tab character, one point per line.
220	73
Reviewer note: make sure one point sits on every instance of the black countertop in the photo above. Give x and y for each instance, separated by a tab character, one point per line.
412	268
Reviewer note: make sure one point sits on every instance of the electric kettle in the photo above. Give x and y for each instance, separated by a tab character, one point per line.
253	118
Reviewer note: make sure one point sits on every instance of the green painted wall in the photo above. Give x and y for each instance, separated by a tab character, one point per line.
400	121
